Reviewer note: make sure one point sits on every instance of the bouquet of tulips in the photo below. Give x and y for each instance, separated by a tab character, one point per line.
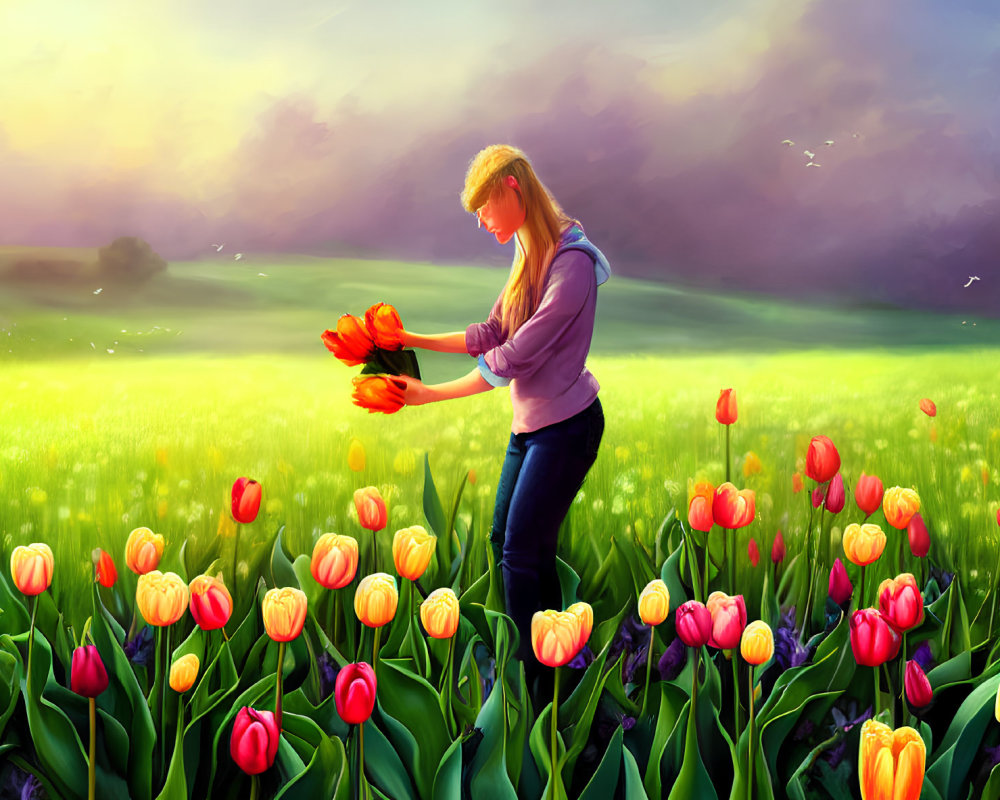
376	340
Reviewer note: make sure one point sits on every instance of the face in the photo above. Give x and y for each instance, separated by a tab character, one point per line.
503	214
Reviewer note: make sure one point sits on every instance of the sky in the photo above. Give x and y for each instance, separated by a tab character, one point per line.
346	128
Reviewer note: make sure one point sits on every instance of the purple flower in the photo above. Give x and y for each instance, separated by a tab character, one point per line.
835	754
583	659
327	674
804	730
923	656
140	649
672	661
628	722
788	650
632	630
22	785
993	754
633	661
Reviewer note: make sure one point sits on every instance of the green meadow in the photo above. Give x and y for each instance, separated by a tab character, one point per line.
140	406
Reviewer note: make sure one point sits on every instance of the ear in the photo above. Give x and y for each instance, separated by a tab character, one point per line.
511	181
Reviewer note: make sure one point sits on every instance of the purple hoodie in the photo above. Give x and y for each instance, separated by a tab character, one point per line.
544	362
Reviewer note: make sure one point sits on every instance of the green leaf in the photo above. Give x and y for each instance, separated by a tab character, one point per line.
434	512
693	779
488	769
282	570
670	574
327	766
448	778
604	781
383	765
568	582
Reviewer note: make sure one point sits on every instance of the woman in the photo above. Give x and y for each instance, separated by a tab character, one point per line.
536	341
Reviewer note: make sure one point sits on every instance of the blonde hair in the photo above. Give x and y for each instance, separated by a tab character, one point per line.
537	239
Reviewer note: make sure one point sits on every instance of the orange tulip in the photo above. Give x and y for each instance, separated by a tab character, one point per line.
384	326
822	459
757	643
439	613
890	763
585	619
412	549
654	602
356	456
371	509
211	602
384	393
700	506
334	560
143	549
863	544
31	567
104	569
898	505
868	493
350	342
556	636
184	672
284	612
732	507
928	407
162	597
725	408
376	599
796	483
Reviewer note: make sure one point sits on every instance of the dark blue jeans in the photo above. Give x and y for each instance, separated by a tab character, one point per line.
541	474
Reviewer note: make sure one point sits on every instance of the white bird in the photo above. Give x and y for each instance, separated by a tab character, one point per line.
809	154
813	164
828	142
262	274
238	256
98	291
787	142
971	279
218	247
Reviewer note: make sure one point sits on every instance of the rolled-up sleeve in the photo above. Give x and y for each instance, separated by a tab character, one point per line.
483	336
565	297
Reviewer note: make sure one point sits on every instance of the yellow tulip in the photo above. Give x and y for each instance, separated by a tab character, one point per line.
890	763
284	612
412	549
334	560
356	456
898	505
439	613
162	597
757	643
863	544
143	550
555	636
375	599
654	602
184	672
585	620
31	568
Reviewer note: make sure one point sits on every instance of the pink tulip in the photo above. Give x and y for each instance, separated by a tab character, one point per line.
694	623
835	494
841	587
729	618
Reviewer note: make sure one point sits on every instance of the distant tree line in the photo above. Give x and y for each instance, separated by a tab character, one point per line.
128	259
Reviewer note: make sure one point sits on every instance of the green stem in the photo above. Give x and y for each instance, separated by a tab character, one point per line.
727	453
878	692
649	666
236	549
378	635
277	696
555	709
692	565
892	695
450	686
31	637
708	557
254	787
750	753
736	697
314	671
361	756
356	789
92	765
861	596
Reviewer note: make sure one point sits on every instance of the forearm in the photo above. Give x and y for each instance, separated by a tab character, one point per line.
467	385
438	342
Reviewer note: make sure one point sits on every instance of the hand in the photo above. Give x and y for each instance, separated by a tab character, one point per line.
416	392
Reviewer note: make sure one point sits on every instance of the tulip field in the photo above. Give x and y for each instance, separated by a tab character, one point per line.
222	579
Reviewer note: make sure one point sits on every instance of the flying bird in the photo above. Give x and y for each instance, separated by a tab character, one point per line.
262	274
218	247
809	154
828	142
971	279
98	291
813	164
238	256
787	142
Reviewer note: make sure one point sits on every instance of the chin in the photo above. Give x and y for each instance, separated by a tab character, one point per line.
503	238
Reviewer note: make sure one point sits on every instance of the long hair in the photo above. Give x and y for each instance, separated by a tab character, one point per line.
537	239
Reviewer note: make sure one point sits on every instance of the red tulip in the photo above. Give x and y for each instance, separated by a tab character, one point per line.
778	548
822	459
254	742
725	408
733	508
384	393
841	587
900	602
729	618
916	532
694	623
87	676
384	326
918	688
105	569
354	693
873	640
350	342
246	500
700	506
835	494
817	496
753	553
928	407
868	493
372	514
211	603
